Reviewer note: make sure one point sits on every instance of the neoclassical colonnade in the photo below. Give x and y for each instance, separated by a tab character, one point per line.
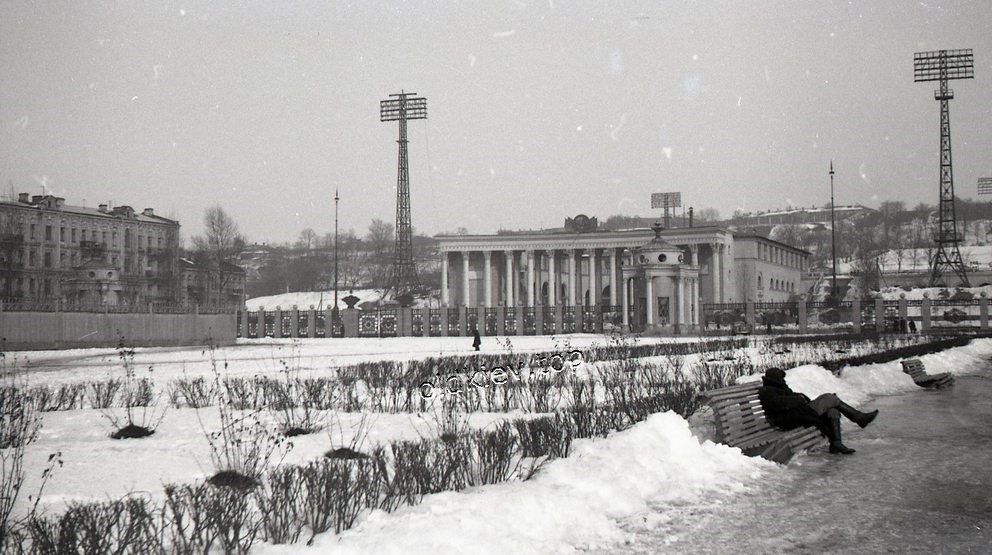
548	269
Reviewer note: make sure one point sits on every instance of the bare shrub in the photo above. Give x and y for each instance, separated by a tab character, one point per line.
201	517
131	525
102	394
139	416
245	444
20	422
196	393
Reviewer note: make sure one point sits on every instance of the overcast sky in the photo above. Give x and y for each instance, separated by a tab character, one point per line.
536	110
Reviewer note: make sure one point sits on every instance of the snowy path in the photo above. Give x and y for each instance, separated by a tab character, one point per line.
909	488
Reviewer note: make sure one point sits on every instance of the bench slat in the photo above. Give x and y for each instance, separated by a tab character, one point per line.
740	422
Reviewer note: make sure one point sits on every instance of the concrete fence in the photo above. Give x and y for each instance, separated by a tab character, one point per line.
61	327
779	317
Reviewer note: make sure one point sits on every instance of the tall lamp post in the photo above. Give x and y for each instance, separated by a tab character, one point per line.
336	199
833	237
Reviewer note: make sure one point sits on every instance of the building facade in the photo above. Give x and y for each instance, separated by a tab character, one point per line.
658	277
52	251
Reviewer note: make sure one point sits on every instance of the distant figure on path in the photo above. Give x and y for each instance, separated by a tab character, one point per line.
912	326
478	340
789	410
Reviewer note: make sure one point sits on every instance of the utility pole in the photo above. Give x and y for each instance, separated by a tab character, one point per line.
833	236
336	199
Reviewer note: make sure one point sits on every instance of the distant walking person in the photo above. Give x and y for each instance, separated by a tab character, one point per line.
912	326
478	340
789	410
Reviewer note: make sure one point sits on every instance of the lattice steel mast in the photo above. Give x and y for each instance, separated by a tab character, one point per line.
402	107
942	66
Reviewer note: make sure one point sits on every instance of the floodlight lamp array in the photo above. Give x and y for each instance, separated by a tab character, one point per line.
396	109
937	65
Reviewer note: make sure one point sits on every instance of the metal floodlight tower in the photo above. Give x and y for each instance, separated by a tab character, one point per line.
402	107
942	66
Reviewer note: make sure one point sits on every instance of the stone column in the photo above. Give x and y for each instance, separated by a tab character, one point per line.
879	314
444	279
856	315
682	304
311	322
623	308
924	313
488	277
508	255
573	278
530	279
553	279
593	277
983	312
466	297
693	255
613	276
715	268
649	291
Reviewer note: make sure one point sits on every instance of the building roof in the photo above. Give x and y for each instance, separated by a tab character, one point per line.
56	204
756	236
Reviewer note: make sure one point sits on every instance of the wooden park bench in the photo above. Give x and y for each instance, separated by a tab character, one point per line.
740	422
914	367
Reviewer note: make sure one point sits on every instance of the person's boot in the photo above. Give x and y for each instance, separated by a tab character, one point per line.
835	444
854	415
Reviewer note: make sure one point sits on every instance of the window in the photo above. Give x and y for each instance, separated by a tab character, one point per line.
48	233
33	232
73	236
48	259
105	237
62	234
114	239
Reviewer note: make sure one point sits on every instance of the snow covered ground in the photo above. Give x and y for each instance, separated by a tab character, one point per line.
574	503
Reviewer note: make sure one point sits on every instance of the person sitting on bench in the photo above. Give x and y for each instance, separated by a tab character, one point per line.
788	410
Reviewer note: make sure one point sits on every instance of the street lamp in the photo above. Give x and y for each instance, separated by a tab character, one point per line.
833	236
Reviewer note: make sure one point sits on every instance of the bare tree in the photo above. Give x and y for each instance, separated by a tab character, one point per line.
307	240
380	235
220	242
708	215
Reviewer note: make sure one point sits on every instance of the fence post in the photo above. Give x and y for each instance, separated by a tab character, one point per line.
349	319
559	319
538	319
463	320
520	319
801	310
597	312
294	322
311	322
983	311
277	323
879	314
749	314
405	327
444	321
244	322
856	315
500	320
925	313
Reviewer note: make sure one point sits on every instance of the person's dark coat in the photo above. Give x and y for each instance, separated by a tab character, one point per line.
477	341
783	407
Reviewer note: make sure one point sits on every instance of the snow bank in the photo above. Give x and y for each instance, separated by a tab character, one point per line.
573	503
857	384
